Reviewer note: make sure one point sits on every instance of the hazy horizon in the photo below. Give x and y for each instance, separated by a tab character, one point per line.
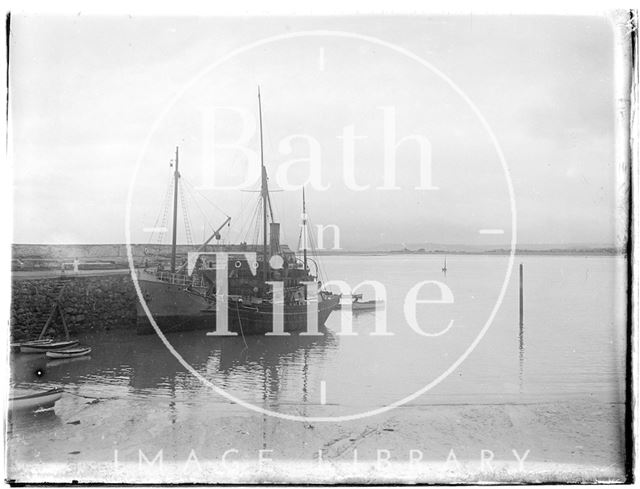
375	247
85	92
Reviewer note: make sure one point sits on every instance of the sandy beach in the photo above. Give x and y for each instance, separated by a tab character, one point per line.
579	441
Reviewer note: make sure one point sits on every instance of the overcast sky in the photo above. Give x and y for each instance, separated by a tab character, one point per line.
85	92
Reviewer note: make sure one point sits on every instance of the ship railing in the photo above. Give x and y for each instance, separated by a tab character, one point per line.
180	279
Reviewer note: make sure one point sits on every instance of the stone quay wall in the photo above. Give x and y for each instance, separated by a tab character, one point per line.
89	303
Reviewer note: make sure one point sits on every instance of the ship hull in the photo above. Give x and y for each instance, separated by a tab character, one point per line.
259	319
175	323
175	309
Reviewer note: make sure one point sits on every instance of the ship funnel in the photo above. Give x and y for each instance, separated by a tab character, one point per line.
274	238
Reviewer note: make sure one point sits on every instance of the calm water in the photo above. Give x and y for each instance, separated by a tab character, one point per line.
572	346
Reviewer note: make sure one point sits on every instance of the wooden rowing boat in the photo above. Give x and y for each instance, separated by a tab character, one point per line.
29	400
69	352
64	361
46	341
39	346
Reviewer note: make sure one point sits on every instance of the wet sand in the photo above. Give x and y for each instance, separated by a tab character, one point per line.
120	441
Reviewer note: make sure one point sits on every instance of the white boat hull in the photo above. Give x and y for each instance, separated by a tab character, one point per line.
34	347
68	353
35	400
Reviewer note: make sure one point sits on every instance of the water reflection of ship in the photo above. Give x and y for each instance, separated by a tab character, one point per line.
144	364
185	297
225	360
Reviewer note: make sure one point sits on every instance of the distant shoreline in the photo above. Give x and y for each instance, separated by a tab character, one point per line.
118	252
498	252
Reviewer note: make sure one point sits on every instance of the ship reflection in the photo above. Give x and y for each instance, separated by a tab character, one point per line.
257	367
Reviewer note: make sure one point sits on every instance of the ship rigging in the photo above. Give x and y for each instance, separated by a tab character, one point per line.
186	299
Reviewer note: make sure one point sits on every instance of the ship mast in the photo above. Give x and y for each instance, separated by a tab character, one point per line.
304	229
265	197
176	176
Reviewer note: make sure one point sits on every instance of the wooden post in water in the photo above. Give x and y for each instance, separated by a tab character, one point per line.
521	299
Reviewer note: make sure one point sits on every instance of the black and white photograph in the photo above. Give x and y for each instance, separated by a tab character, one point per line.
314	247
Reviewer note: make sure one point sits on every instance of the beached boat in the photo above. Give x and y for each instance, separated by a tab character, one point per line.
184	297
69	352
45	341
39	346
43	344
65	361
22	400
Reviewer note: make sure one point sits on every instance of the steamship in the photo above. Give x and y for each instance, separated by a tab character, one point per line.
187	295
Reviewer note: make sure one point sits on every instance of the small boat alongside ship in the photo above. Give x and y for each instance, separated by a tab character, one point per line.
361	306
29	400
184	298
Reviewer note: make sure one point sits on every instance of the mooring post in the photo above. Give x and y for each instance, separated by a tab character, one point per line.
521	299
